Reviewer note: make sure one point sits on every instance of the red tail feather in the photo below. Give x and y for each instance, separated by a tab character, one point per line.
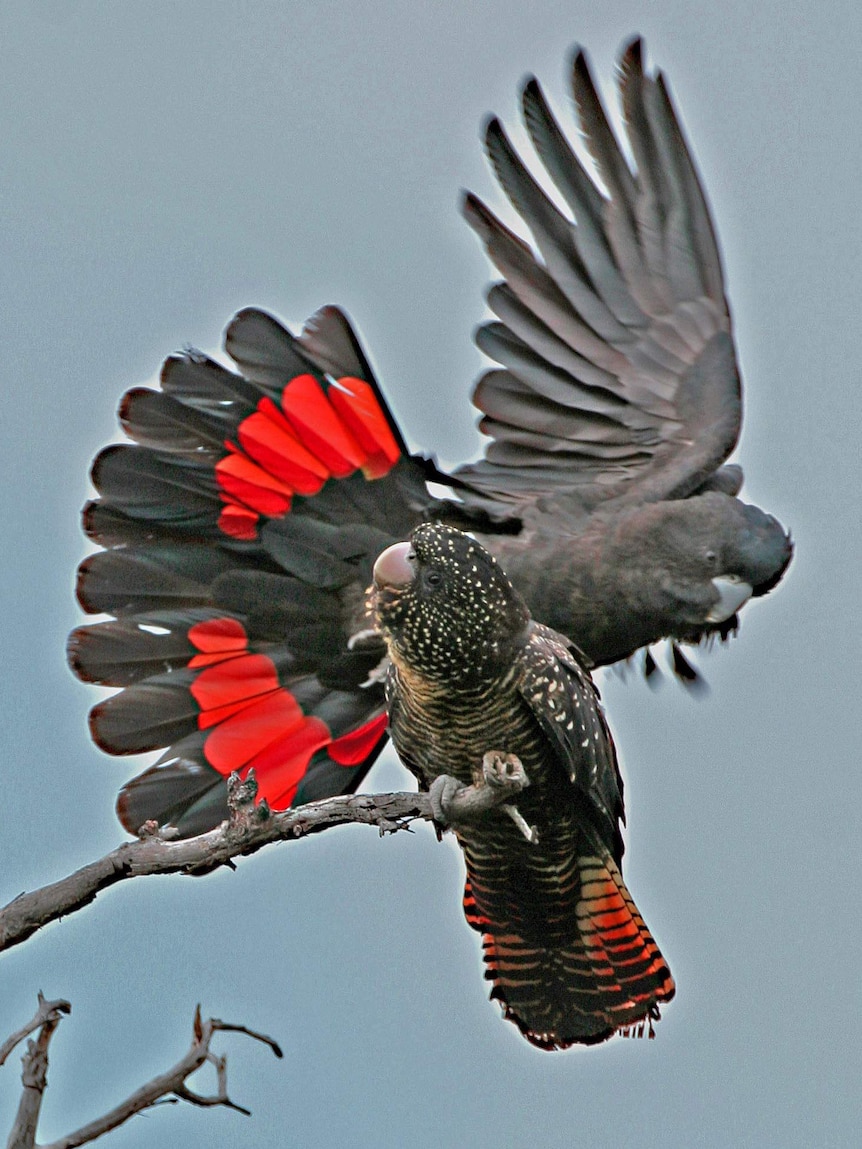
254	721
596	971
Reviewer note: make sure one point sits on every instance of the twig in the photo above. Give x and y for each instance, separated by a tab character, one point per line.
45	1012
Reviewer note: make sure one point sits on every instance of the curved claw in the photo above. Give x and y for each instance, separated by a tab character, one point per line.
531	833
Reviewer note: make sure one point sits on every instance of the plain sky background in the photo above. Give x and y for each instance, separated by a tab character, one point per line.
163	165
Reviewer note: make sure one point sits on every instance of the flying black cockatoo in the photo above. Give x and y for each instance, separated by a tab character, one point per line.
480	694
239	530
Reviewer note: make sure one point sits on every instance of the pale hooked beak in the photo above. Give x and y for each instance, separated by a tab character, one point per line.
393	567
732	594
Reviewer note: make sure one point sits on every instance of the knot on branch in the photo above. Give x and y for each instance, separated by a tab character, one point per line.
35	1062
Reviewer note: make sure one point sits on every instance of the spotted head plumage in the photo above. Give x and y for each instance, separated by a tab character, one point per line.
445	606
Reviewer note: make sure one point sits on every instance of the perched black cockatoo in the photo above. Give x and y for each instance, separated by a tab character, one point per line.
479	693
238	532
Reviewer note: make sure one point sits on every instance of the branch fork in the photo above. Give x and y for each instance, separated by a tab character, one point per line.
166	1088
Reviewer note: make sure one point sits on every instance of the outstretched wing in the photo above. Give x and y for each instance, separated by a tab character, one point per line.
617	376
238	532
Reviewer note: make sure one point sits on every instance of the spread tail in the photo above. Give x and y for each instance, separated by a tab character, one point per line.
587	972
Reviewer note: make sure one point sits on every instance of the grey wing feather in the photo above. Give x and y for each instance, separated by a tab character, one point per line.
585	202
615	330
263	348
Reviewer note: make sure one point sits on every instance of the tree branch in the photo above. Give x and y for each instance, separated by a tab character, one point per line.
171	1086
45	1012
248	829
35	1072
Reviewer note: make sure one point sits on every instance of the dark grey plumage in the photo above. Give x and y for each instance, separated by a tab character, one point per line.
618	398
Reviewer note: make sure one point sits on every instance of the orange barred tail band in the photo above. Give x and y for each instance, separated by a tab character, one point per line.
595	972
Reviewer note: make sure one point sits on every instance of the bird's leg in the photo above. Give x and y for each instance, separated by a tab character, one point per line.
500	777
447	797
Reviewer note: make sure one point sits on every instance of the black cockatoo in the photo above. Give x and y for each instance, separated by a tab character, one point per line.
238	532
480	694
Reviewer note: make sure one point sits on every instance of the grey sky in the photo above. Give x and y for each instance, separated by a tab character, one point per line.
165	164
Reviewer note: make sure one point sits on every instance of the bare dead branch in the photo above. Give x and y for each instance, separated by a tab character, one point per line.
173	1083
35	1072
248	829
170	1086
